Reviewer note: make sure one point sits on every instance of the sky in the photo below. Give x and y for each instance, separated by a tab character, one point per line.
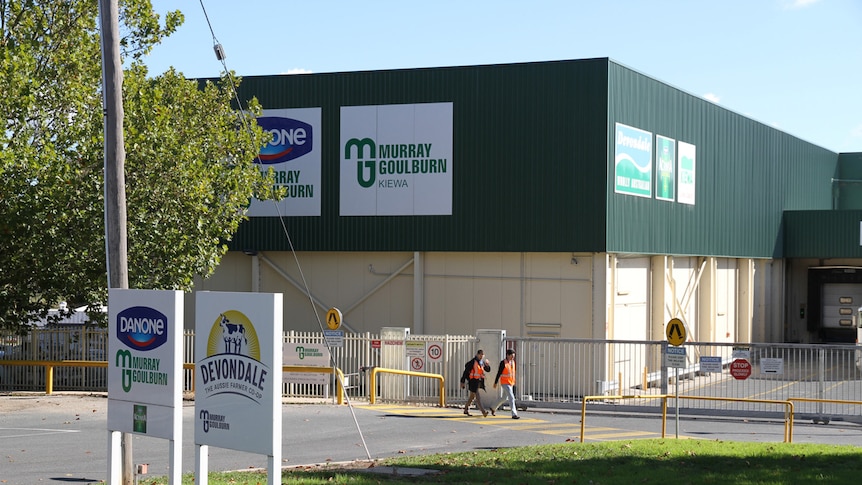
792	64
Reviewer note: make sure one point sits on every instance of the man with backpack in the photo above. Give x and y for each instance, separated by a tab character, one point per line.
474	377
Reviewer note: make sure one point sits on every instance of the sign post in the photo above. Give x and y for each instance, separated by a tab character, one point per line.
675	332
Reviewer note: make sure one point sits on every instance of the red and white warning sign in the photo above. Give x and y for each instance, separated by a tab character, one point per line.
740	369
417	364
434	351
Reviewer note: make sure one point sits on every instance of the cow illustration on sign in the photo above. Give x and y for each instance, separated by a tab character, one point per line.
233	335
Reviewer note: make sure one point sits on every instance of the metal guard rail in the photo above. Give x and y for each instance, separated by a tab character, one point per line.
373	382
788	414
50	364
598	398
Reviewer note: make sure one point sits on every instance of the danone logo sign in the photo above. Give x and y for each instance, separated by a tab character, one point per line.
396	160
142	328
290	139
294	156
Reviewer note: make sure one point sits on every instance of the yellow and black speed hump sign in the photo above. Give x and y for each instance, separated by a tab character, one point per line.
675	332
333	318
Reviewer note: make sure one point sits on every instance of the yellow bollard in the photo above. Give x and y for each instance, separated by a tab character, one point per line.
49	379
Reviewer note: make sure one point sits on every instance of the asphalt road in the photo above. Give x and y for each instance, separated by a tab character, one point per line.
63	438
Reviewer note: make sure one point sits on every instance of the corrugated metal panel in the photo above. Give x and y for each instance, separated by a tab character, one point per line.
529	149
533	165
847	184
823	234
747	173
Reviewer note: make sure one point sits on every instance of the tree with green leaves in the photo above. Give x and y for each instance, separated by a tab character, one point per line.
189	165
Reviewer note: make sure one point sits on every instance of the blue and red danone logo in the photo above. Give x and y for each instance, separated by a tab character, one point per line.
142	328
291	139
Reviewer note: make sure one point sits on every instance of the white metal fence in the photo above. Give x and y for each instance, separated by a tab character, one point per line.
824	381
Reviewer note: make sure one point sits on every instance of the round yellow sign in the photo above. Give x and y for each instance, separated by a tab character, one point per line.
675	332
333	318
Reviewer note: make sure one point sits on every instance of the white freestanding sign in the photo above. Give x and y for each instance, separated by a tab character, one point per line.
238	356
145	372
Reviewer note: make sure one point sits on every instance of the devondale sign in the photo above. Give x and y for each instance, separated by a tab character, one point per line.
396	160
238	357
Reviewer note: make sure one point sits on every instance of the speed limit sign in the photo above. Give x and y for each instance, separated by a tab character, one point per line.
434	351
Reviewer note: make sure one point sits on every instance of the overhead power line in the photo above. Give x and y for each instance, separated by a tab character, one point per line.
220	56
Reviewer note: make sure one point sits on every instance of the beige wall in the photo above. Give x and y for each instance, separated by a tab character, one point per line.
462	292
525	294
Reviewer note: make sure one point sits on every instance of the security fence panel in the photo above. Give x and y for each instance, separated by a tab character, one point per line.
79	343
188	361
823	381
443	355
354	358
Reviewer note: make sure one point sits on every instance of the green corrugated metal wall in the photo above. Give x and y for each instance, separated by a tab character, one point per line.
823	234
528	152
533	165
747	173
847	185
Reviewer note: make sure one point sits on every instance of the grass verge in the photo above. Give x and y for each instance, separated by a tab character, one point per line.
661	461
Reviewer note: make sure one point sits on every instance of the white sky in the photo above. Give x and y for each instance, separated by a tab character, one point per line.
794	64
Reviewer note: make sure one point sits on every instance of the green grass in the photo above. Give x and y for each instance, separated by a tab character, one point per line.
659	461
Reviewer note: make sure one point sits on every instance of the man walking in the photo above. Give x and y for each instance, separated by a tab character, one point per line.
506	378
474	376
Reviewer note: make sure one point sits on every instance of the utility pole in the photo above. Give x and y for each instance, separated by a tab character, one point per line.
115	179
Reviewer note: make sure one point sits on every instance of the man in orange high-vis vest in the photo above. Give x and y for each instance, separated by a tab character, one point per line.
506	378
474	376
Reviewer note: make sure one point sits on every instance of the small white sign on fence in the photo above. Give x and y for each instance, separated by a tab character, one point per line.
306	354
434	351
415	348
675	357
741	353
770	365
709	363
334	338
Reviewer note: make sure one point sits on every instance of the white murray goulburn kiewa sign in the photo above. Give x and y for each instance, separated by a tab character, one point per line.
294	154
238	372
396	160
145	371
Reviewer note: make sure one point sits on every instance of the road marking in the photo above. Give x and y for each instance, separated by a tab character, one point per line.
35	432
532	425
